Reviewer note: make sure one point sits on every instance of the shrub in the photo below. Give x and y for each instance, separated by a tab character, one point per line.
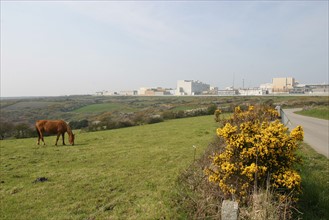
124	123
6	129
23	130
211	109
154	119
257	151
180	114
79	124
168	115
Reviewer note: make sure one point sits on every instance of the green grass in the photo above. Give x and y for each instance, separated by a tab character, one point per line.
126	173
318	112
314	201
104	107
118	174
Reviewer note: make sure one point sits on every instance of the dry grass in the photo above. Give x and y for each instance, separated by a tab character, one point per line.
198	198
264	205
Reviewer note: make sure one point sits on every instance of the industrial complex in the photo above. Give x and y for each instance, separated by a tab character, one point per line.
285	85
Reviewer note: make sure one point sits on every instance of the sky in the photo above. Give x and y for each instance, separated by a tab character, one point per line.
53	48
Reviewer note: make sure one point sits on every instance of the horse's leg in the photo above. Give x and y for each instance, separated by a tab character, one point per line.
63	138
41	135
38	142
57	138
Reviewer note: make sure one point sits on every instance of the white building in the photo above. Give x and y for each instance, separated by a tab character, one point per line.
104	93
252	91
228	92
191	87
142	90
267	87
128	93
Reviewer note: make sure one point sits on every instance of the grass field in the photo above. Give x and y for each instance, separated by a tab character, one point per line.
118	174
318	112
126	173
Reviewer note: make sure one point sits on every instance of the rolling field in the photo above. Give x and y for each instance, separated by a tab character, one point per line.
127	173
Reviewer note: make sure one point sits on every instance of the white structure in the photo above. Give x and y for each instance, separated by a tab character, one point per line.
252	91
318	89
104	93
128	93
267	87
142	90
191	87
228	92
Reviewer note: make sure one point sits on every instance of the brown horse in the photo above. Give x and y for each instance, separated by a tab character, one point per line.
58	127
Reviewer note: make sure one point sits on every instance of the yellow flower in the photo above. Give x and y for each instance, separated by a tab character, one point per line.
255	146
297	133
237	109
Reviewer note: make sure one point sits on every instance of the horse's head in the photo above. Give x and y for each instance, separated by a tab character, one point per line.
71	139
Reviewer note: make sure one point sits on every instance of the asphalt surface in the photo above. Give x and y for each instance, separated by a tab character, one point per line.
316	131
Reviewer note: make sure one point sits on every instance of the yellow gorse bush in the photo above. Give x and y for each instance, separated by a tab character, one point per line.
258	151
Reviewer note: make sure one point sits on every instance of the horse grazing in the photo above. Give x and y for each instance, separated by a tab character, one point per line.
58	127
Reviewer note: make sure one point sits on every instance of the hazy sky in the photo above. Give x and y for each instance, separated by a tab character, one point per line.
80	47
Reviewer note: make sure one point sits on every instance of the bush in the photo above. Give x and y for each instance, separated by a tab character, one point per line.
124	123
168	115
257	151
154	119
211	109
23	130
79	124
6	129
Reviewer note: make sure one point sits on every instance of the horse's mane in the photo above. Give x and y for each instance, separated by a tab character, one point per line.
69	130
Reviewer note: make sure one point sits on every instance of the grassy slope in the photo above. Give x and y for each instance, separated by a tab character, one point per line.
125	173
314	200
319	112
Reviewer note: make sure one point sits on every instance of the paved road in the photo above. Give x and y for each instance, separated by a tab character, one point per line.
316	131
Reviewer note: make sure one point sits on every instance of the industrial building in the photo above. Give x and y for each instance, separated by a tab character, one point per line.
159	91
191	87
283	84
315	89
